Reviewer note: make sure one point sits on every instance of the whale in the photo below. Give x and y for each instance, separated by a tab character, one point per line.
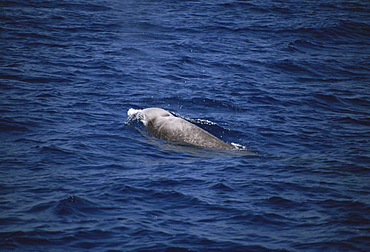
165	126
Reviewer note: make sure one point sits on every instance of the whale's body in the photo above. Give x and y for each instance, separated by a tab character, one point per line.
163	125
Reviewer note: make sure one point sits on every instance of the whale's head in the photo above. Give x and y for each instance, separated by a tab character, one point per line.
153	115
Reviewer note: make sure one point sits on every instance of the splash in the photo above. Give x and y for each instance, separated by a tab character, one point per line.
132	111
133	116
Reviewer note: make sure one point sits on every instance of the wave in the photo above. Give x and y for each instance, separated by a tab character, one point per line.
286	78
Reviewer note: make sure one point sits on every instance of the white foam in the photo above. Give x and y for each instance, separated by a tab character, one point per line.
239	146
132	111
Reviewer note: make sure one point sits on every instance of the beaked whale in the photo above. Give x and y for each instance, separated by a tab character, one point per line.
164	125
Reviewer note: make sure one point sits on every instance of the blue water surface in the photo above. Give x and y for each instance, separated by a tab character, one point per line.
287	79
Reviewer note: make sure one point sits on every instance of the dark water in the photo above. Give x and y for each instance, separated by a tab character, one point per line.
289	80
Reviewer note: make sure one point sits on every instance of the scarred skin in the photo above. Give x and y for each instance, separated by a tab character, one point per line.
163	125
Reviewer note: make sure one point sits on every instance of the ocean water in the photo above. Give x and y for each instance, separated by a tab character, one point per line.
289	80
